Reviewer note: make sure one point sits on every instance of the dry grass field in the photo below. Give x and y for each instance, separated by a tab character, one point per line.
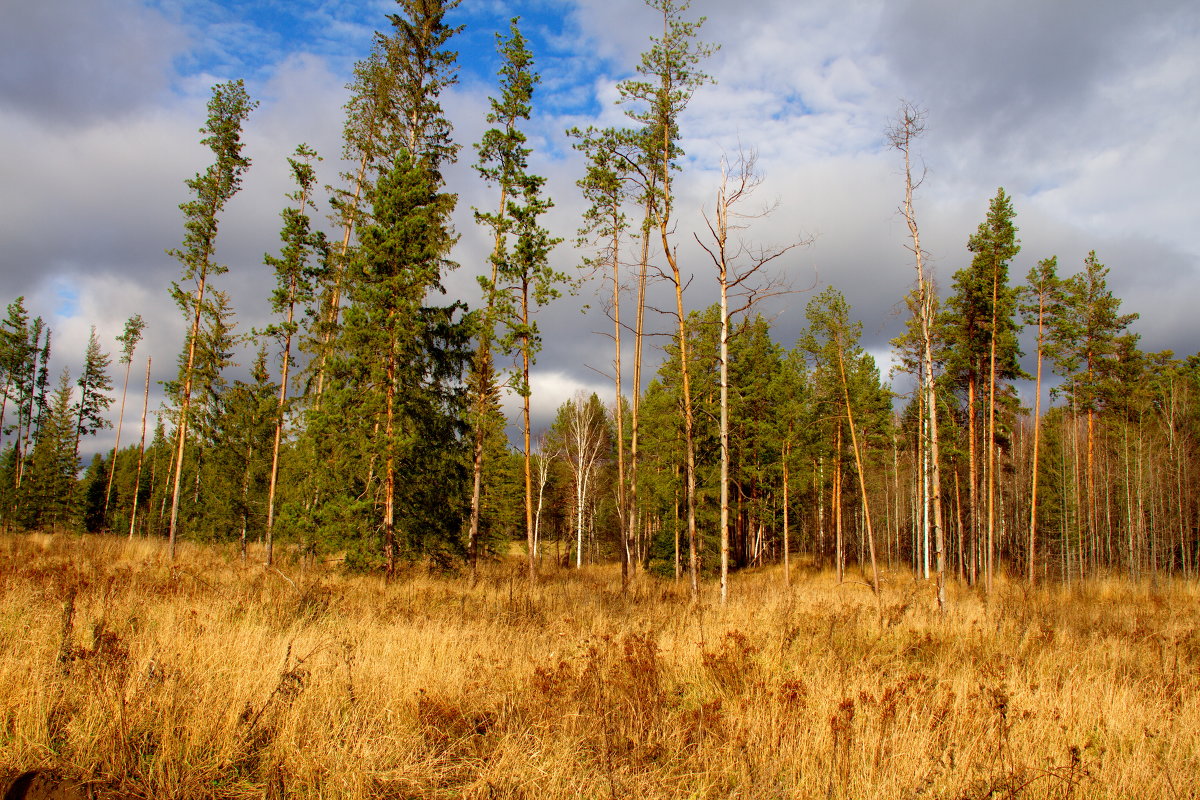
217	679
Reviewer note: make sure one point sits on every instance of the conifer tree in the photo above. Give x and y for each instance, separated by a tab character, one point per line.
617	171
1086	337
48	496
20	376
1041	298
982	332
295	276
137	475
227	111
670	75
504	163
129	338
394	370
832	342
94	384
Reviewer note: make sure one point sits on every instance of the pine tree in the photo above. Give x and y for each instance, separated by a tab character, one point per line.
227	111
1041	299
504	162
20	379
670	77
832	342
615	174
982	331
297	268
1086	335
129	338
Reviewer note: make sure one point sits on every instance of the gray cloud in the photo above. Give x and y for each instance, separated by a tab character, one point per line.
67	63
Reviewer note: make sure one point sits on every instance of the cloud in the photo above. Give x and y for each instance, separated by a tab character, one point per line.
65	63
1084	111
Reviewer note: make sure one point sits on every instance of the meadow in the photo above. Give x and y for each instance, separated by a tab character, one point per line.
127	677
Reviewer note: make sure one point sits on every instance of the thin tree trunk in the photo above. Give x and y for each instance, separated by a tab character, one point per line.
181	427
335	295
972	478
624	513
279	412
389	472
636	394
112	467
483	376
991	442
862	478
137	481
787	564
1037	429
525	416
246	500
724	394
836	503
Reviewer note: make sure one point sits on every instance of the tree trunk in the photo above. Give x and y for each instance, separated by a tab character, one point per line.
483	377
635	395
112	467
185	403
1037	429
525	357
279	413
137	480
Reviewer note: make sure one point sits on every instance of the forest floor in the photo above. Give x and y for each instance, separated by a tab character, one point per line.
129	678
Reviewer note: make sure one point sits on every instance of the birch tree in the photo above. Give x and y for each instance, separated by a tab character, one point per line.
909	126
737	265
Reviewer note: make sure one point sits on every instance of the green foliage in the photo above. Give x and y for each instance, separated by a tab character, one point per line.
130	336
670	76
1088	336
94	384
228	109
982	297
46	498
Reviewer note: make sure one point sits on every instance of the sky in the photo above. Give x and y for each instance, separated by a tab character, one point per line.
1083	110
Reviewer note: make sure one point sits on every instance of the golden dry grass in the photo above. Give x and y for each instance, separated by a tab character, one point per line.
224	680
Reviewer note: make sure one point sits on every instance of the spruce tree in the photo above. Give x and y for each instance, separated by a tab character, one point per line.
94	385
47	497
394	369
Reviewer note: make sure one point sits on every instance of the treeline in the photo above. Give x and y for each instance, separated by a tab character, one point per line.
370	422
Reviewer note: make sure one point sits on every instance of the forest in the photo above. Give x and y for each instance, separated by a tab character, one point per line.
369	426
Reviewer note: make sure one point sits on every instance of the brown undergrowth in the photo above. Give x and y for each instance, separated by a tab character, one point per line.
218	679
